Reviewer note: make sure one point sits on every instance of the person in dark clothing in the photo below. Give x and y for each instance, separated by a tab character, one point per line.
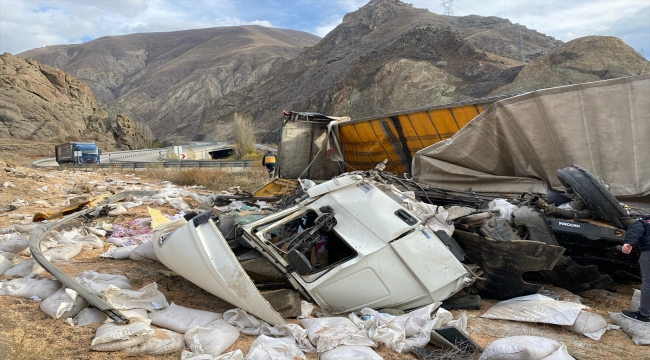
638	234
269	161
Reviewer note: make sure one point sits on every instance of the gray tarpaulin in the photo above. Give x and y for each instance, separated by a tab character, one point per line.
519	143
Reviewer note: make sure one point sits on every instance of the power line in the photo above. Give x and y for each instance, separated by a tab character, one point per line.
447	4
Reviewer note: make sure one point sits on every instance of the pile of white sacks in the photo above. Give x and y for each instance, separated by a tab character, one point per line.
157	327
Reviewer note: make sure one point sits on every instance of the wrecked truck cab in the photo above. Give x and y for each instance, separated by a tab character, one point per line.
350	245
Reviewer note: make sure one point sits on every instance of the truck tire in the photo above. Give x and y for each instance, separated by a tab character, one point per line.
593	192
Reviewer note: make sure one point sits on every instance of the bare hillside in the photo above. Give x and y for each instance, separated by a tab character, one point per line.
42	103
166	78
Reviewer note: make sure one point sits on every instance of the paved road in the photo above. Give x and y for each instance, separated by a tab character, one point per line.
147	155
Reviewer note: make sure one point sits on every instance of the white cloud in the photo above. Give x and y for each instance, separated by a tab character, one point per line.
26	24
323	30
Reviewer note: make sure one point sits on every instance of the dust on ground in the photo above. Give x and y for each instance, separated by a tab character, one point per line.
24	325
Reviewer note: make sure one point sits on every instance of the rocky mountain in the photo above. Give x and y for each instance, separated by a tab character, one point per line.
590	58
166	78
42	103
389	56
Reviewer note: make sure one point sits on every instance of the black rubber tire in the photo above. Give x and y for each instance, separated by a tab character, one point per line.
593	192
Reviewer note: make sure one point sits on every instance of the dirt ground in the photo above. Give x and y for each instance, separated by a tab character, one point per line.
28	333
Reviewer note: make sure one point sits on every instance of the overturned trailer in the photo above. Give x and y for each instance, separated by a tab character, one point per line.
383	253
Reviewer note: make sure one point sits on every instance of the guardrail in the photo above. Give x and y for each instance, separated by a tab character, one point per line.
158	165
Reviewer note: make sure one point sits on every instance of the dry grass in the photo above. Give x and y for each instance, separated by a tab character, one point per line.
212	179
25	343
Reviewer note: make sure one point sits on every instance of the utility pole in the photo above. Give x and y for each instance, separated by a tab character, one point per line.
447	4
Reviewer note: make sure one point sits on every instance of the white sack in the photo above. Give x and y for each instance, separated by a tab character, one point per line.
350	352
504	207
233	355
560	354
590	325
268	348
14	244
638	331
401	333
97	282
26	288
136	313
182	319
148	298
248	324
535	308
144	252
119	253
213	340
8	255
163	342
89	241
63	303
328	333
116	210
65	235
95	231
89	316
5	264
25	268
520	348
299	334
634	304
113	337
64	252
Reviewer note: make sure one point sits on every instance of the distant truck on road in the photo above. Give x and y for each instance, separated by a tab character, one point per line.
77	152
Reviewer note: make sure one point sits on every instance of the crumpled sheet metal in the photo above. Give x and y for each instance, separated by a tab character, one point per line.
505	261
519	143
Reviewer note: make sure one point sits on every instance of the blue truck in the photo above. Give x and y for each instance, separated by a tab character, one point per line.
77	152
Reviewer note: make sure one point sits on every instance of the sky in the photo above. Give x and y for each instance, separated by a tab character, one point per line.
28	24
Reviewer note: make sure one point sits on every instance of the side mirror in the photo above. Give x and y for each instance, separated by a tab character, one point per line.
100	152
299	262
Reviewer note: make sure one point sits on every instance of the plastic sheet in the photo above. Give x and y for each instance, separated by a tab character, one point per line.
638	331
181	319
350	352
213	340
132	232
520	348
148	298
535	308
26	288
63	303
113	337
504	207
161	343
328	333
268	348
